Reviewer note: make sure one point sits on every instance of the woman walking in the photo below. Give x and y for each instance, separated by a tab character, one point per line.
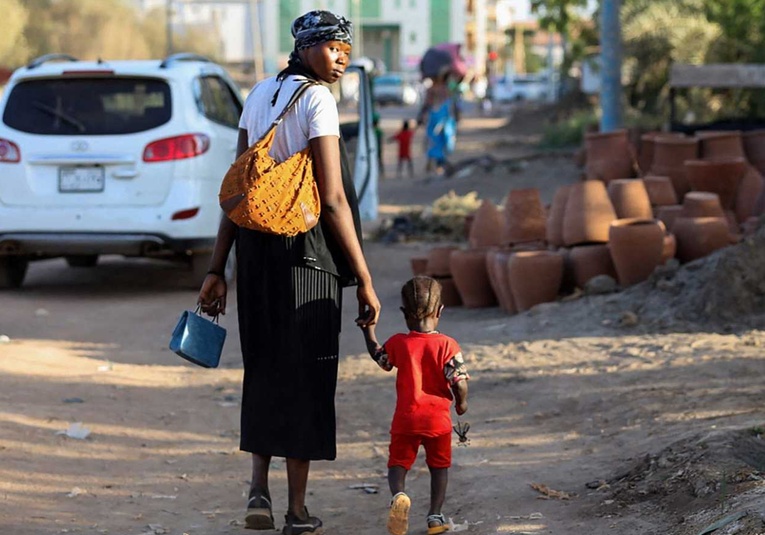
289	289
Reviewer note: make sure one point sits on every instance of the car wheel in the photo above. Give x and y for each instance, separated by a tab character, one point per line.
82	261
13	269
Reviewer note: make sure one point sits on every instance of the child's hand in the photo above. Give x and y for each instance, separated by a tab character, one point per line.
461	407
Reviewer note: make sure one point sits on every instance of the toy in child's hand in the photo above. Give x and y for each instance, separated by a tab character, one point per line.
462	430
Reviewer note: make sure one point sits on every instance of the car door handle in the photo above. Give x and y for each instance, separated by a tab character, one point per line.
125	173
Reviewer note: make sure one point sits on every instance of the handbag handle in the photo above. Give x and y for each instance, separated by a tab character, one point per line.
293	100
198	312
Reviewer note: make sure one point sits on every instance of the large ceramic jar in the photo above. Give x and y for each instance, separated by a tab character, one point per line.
669	155
716	145
471	278
630	198
702	204
419	265
609	156
496	265
588	261
636	247
660	190
754	147
668	214
555	218
588	214
438	261
645	155
749	191
486	227
525	217
450	297
699	236
720	176
535	277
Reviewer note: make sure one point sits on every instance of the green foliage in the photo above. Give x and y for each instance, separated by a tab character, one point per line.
570	131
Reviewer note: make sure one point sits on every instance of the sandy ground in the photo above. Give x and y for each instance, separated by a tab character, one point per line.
644	430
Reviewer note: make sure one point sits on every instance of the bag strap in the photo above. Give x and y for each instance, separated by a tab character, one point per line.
293	100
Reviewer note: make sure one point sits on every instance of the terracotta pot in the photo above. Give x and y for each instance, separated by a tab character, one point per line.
467	226
496	265
660	190
749	192
450	297
733	226
609	156
419	265
555	218
472	278
588	214
645	155
630	198
535	277
588	261
438	261
754	147
715	144
636	247
702	204
669	248
486	229
669	155
717	176
525	217
699	236
668	214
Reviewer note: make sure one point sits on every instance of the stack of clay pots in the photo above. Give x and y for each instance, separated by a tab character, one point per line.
701	227
669	156
609	155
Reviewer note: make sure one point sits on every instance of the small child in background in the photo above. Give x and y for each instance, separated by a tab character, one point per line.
404	138
431	372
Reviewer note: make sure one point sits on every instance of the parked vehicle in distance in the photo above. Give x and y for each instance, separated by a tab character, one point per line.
394	88
114	157
519	88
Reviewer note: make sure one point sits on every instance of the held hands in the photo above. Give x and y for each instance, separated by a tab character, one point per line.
212	295
369	305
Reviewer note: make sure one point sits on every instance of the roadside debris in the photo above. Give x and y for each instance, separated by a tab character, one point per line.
548	493
76	431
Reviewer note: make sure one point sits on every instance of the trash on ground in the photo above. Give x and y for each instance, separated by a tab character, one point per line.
75	430
106	367
76	491
4	339
369	488
548	493
73	400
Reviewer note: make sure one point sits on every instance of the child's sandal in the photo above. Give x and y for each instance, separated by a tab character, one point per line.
259	515
437	524
398	516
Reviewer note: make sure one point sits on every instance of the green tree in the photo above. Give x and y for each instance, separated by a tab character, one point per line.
13	45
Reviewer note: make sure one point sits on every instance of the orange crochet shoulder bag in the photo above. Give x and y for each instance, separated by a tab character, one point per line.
262	194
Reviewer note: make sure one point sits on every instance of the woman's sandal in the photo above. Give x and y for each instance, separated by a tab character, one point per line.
398	516
259	515
294	525
437	524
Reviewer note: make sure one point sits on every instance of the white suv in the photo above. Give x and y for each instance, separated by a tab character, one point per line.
122	157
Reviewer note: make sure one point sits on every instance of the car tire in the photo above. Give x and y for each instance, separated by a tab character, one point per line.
13	270
82	261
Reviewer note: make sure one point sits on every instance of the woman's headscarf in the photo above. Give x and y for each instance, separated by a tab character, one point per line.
311	29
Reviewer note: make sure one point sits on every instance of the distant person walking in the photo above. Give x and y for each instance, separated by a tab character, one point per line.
431	373
404	139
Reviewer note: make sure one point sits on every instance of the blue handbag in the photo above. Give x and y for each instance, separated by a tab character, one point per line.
198	339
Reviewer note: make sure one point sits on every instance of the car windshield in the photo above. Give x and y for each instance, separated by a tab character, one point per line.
88	106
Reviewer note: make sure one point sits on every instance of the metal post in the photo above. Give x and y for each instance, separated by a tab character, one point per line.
169	26
611	65
257	40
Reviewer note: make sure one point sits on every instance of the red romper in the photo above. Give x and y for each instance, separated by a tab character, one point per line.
428	364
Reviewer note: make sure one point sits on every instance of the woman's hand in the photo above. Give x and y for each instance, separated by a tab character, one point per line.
369	305
212	296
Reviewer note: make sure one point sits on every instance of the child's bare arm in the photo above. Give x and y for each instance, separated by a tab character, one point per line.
457	375
376	351
460	391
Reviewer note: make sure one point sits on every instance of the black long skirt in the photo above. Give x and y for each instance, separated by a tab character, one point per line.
289	325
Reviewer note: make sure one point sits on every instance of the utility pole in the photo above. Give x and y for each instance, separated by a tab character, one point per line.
257	40
611	65
169	25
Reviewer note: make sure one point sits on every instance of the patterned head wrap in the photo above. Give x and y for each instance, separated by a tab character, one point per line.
316	27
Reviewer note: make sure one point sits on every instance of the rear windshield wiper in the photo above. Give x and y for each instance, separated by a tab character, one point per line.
61	115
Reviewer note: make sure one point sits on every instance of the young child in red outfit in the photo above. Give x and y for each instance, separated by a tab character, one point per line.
404	138
431	372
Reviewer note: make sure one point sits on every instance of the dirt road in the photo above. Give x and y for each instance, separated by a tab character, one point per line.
564	396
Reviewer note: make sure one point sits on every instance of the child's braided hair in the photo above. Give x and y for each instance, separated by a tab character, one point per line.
421	297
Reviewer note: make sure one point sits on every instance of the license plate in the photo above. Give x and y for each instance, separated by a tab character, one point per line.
81	179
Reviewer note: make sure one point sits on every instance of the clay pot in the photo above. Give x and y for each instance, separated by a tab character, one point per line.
609	156
715	144
749	191
669	155
588	261
630	198
702	204
754	147
636	247
660	190
525	217
450	297
419	265
486	228
669	248
588	214
717	176
535	277
472	278
668	214
555	218
699	236
467	225
438	261
496	266
645	155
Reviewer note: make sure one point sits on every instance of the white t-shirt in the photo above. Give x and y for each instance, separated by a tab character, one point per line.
314	115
